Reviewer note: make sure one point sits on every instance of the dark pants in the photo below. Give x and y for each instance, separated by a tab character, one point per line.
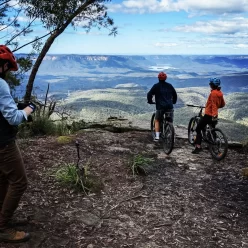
169	113
206	119
13	181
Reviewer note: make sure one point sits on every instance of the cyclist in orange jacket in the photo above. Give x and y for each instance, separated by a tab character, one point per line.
214	102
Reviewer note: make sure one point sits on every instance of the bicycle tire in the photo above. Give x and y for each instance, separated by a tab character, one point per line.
153	126
192	130
218	147
168	134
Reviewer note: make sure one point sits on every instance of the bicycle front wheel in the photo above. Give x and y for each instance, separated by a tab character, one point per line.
192	130
168	134
153	126
218	145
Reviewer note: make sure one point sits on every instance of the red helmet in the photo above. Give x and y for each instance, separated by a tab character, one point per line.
6	54
162	76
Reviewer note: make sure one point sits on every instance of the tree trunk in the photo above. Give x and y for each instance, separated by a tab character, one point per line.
46	47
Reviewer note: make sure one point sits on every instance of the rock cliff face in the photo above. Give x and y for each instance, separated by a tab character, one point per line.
185	200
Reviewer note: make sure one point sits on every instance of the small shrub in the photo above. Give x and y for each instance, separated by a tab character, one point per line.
62	128
70	175
76	126
139	164
42	126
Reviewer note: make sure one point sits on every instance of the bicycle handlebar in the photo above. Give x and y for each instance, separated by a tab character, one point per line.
197	106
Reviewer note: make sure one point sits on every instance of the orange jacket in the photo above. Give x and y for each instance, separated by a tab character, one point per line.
214	102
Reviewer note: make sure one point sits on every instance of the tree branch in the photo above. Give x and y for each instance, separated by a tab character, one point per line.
18	48
22	31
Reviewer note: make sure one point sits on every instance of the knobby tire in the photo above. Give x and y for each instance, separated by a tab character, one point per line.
192	130
168	136
219	147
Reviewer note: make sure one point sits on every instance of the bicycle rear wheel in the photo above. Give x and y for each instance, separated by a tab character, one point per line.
167	136
192	130
153	126
219	145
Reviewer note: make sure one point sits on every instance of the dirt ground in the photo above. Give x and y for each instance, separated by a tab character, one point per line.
185	200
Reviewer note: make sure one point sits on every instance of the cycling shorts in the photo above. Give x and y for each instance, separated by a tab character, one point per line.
168	112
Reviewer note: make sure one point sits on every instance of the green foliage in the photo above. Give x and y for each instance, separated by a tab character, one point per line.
78	125
61	128
139	164
41	126
93	13
14	79
70	175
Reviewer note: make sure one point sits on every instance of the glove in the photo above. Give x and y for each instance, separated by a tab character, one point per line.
21	105
32	106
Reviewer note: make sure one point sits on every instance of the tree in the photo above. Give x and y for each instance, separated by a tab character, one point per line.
57	15
11	31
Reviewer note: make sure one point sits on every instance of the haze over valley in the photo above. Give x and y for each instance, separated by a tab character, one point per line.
95	87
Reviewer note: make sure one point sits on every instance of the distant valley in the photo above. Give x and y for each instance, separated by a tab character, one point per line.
95	87
80	72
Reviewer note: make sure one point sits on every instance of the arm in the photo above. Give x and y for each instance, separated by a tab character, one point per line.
150	94
174	95
214	103
8	107
222	102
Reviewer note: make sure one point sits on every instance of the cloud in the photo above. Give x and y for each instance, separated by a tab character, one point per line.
190	6
166	44
232	26
240	46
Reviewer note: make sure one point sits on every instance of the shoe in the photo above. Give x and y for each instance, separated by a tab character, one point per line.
197	150
10	235
17	222
156	139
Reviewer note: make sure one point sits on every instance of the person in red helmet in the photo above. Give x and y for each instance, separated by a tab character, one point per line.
13	180
165	96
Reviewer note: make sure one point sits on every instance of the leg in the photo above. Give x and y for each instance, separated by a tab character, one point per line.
3	188
12	168
170	115
157	124
12	171
201	125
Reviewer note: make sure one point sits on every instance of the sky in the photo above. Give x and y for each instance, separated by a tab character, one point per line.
164	27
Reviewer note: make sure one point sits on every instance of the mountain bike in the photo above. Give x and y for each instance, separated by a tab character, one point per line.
214	137
167	131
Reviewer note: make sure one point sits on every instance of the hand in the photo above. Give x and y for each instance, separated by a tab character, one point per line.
32	106
21	105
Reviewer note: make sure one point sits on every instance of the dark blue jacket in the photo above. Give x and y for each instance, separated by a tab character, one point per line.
165	95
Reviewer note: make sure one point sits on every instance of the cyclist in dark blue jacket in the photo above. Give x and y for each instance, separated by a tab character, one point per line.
165	96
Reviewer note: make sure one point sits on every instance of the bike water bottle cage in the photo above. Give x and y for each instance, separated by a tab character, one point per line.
215	81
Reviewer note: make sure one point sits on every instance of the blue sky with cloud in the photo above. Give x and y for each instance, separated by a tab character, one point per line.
165	27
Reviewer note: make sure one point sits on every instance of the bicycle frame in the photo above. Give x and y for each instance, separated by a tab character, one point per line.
218	144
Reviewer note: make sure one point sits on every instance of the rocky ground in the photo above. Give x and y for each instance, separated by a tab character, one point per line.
185	200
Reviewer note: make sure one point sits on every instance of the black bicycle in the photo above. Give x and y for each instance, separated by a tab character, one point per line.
167	131
214	137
